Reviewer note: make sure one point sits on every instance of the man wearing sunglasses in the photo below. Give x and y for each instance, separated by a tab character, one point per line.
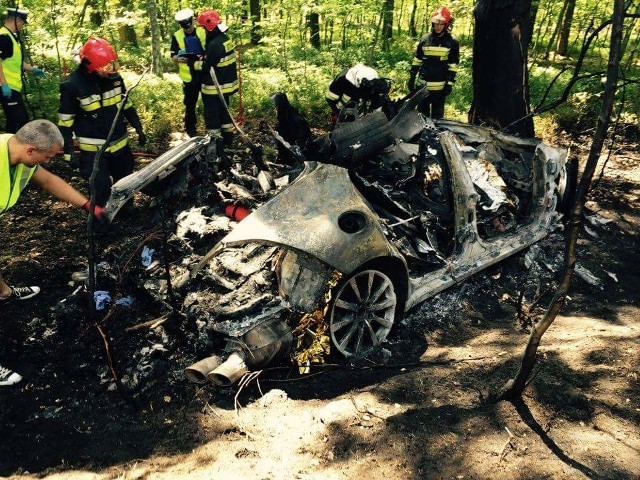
435	64
187	51
89	101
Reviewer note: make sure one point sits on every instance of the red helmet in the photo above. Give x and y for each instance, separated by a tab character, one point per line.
442	14
209	19
98	55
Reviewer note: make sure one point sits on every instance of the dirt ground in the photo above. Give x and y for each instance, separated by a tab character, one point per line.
429	412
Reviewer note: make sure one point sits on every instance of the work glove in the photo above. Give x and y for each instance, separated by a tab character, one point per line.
38	72
98	214
72	158
142	138
447	89
412	82
6	91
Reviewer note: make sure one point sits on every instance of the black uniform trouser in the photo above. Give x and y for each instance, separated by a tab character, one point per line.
215	114
113	167
14	111
191	91
433	105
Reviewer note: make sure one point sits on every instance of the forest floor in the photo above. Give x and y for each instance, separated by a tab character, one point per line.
428	413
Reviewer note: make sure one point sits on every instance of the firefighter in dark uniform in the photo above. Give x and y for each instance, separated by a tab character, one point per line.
187	51
12	65
89	100
354	85
435	64
221	56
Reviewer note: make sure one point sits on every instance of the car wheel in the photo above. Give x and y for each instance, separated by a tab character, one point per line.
567	186
362	313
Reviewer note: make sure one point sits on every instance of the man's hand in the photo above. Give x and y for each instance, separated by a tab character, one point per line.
6	91
142	138
72	158
412	82
182	56
447	89
38	72
99	214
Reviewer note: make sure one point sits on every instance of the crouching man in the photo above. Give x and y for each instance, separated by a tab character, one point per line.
21	157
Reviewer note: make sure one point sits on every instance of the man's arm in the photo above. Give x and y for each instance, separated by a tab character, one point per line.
57	187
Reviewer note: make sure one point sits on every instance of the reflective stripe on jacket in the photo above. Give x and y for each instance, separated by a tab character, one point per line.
12	66
88	106
221	55
184	70
436	60
10	190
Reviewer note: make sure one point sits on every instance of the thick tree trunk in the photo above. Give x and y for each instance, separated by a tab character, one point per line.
500	76
565	29
156	38
387	23
254	13
126	33
412	22
313	22
515	386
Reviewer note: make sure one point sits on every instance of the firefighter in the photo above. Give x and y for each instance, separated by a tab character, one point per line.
11	66
435	64
354	85
221	56
89	101
187	51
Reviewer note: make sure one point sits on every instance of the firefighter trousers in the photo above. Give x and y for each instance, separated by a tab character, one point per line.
113	167
191	91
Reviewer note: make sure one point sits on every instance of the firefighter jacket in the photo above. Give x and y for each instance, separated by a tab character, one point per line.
12	181
12	65
221	55
436	60
342	91
88	106
193	44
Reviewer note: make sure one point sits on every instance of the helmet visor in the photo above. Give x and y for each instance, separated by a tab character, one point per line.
109	69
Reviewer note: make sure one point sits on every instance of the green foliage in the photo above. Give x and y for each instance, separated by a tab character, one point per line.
285	61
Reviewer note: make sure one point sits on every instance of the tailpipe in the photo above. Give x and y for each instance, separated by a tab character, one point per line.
197	373
255	349
230	371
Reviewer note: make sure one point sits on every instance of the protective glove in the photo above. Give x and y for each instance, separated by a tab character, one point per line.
6	91
142	138
447	89
98	213
38	72
72	158
412	82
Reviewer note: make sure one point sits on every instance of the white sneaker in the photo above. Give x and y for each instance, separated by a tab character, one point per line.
8	377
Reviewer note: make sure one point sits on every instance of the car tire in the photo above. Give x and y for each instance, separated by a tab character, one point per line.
362	313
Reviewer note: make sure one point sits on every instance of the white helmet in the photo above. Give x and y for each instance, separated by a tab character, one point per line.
360	72
184	15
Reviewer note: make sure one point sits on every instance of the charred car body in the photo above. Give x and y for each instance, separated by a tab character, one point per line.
384	215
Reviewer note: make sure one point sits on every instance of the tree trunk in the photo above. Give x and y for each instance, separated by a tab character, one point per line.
156	38
514	387
254	13
313	22
387	23
500	75
412	22
565	29
126	33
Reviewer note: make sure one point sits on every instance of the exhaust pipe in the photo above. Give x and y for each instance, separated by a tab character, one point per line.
230	371
256	348
197	373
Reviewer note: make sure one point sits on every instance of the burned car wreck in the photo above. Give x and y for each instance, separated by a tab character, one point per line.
381	215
